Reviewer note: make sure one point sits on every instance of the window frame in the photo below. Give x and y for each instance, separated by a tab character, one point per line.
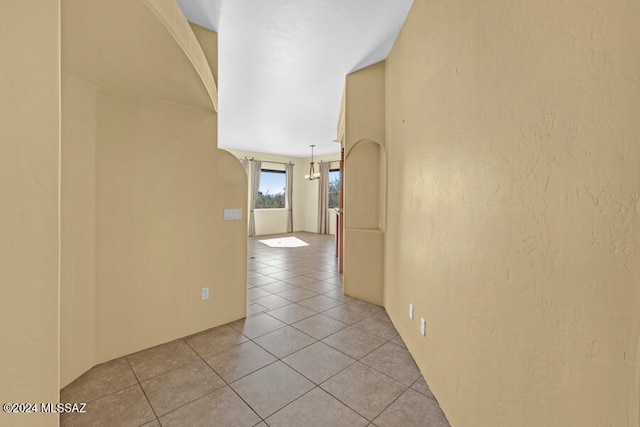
329	189
284	194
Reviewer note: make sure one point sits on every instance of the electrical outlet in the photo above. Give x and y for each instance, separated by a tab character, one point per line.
423	326
411	311
205	293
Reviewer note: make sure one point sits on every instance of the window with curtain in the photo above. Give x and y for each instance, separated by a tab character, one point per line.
334	188
271	193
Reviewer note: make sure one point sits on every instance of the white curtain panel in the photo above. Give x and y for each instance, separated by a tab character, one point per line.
256	166
289	197
246	164
323	199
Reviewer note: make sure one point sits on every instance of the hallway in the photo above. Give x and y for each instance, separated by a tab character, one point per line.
305	355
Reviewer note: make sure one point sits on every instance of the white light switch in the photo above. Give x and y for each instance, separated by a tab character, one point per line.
232	214
423	326
411	311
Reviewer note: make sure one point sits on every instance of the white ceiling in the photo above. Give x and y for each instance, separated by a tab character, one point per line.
282	65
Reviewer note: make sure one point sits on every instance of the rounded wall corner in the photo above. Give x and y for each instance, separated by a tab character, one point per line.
234	163
172	19
363	142
375	186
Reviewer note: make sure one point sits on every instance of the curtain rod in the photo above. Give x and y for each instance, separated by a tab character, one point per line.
283	163
268	161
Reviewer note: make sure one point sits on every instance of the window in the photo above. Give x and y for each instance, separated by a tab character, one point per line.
272	189
334	188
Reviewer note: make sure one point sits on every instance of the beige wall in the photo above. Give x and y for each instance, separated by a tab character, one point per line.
513	203
364	106
143	187
305	196
29	206
162	187
78	229
144	47
364	221
365	184
208	41
364	191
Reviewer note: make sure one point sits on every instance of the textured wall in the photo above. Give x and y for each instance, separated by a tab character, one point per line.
364	106
364	183
29	206
151	189
513	146
161	189
209	42
78	229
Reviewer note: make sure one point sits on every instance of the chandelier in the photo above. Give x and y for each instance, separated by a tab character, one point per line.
312	175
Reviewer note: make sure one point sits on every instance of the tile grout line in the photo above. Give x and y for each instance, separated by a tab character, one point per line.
302	348
225	382
114	391
143	392
279	358
386	341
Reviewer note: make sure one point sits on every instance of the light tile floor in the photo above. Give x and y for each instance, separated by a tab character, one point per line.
306	355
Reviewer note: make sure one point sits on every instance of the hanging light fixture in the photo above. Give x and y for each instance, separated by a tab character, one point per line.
312	175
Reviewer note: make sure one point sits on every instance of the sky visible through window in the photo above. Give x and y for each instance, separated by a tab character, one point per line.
272	182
